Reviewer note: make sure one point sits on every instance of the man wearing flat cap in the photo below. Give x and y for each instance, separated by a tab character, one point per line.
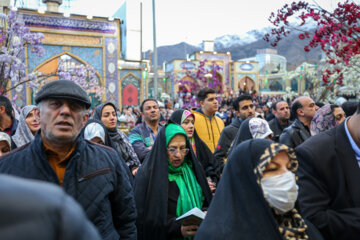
91	173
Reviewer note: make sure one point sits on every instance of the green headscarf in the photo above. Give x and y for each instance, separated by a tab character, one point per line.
191	194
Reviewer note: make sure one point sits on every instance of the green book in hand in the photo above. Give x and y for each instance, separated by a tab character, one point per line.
192	217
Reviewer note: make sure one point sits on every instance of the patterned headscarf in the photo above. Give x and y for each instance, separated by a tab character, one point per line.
185	115
291	224
323	120
5	137
23	135
259	128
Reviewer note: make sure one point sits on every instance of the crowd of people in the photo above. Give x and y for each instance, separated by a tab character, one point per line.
259	167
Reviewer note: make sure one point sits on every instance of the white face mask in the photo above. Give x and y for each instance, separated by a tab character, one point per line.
281	191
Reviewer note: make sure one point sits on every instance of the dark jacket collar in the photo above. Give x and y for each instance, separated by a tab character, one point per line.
300	125
236	122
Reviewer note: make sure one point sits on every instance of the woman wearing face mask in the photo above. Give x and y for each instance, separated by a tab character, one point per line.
256	196
169	183
186	119
327	117
106	113
27	127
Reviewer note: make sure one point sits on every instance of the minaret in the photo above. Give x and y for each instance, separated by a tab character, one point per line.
52	5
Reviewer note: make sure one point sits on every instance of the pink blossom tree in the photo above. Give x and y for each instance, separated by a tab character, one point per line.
337	33
205	75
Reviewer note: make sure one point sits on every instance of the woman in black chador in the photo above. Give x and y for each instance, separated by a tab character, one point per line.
169	183
186	119
256	196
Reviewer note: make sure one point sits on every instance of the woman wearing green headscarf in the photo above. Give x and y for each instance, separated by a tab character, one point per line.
169	183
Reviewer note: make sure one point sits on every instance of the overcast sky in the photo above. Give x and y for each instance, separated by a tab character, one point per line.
195	20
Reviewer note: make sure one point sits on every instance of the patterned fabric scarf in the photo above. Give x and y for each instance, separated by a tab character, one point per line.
323	120
190	191
291	224
23	134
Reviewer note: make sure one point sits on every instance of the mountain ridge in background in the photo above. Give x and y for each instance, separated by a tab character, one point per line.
245	46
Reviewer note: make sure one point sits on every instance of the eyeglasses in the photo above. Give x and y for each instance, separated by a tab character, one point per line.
174	151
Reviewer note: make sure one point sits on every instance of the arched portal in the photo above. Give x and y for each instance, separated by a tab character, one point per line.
186	84
66	63
246	84
276	86
130	95
130	85
294	85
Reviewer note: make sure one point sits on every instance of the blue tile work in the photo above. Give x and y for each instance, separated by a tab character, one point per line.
64	23
111	59
93	56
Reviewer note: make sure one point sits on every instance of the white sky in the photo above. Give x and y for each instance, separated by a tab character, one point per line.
194	20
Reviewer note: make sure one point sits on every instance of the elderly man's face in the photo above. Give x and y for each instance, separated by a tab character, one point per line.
61	120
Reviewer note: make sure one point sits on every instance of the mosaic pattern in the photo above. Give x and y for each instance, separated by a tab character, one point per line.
214	57
93	56
111	76
64	23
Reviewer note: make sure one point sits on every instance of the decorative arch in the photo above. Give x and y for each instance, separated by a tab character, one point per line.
186	87
294	85
276	86
130	86
53	63
246	84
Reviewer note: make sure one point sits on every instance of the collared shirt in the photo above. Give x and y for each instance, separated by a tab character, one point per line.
152	134
57	163
353	143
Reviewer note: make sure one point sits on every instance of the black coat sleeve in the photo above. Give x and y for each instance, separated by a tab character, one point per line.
286	138
315	202
123	205
222	149
173	228
74	224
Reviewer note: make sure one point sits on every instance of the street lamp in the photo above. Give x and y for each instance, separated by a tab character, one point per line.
155	51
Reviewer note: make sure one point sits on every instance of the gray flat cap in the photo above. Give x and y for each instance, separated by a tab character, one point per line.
63	89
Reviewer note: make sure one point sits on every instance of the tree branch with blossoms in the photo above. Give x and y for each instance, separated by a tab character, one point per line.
337	32
14	38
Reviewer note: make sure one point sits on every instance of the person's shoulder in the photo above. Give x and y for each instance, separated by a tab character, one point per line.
320	141
99	147
272	121
136	129
219	121
16	152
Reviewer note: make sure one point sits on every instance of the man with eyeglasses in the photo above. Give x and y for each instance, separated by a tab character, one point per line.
244	108
303	109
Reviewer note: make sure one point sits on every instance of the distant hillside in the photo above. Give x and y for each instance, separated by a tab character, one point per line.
245	46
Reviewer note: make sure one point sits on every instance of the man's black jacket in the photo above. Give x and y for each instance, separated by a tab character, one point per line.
227	136
295	134
277	129
94	176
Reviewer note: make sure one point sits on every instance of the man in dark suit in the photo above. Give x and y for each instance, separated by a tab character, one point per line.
329	178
